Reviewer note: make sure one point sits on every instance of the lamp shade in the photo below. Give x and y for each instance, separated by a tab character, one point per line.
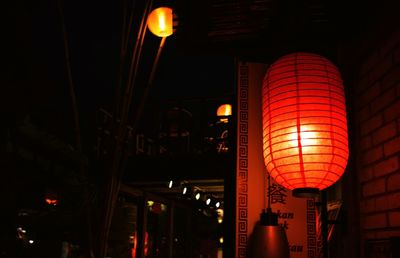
268	238
269	241
304	122
159	22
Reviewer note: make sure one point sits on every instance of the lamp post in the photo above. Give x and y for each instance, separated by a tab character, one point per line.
160	23
117	164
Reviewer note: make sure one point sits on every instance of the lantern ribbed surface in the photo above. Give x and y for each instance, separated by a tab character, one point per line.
304	122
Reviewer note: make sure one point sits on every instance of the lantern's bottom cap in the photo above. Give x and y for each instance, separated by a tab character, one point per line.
306	192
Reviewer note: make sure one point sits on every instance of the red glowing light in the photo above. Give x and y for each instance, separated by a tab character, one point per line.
304	122
51	201
224	110
146	244
133	242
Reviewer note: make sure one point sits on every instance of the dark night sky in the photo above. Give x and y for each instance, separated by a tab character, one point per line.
36	65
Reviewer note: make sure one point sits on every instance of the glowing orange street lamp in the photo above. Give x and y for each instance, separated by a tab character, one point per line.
224	110
304	123
160	22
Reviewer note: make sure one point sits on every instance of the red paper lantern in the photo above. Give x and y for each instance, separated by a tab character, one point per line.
304	123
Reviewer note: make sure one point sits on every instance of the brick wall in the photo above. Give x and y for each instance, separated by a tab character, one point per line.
377	138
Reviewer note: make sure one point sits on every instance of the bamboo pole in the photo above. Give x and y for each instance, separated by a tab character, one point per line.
113	185
137	50
149	84
75	110
72	93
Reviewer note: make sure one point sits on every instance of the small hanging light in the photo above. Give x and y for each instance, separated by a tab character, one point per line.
304	123
269	238
160	22
197	196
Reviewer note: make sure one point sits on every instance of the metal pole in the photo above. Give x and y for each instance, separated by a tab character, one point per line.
171	228
75	110
324	224
149	84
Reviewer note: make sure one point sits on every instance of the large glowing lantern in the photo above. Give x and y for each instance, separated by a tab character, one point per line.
160	22
304	123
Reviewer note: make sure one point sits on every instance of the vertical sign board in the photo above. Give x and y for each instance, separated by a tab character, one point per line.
296	215
250	176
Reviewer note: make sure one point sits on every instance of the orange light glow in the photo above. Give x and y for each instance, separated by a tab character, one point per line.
51	201
224	110
133	242
304	122
146	244
160	22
